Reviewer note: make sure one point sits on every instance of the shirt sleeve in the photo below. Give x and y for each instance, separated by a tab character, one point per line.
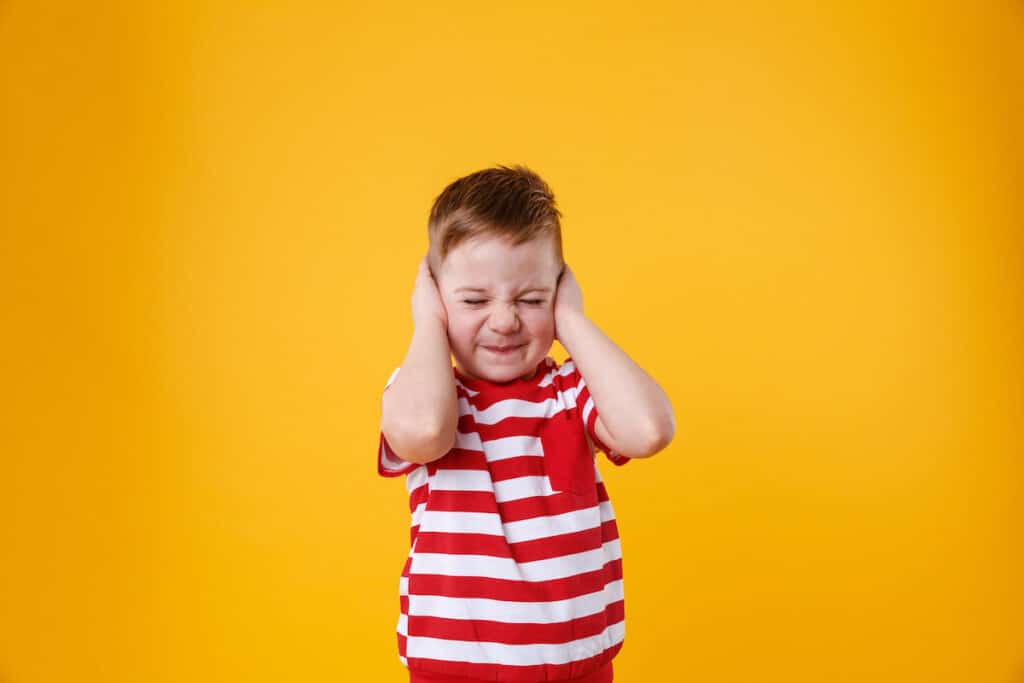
389	464
588	411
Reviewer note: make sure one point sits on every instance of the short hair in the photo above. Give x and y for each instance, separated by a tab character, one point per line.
511	202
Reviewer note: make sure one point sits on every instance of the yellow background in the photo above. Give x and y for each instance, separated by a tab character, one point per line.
804	219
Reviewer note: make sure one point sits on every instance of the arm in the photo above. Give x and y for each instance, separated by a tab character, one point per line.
419	411
635	415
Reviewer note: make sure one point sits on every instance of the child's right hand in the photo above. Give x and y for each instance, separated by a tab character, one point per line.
427	304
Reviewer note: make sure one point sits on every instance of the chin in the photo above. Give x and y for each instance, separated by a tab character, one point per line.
505	374
497	371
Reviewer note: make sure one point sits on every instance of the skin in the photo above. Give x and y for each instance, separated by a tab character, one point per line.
490	293
497	294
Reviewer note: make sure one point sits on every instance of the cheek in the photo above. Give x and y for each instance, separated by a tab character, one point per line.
540	322
462	326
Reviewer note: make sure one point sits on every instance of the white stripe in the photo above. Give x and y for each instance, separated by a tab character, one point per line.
512	407
480	652
469	441
461	480
607	512
471	392
403	585
547	379
587	407
553	525
512	447
461	522
515	532
522	487
403	625
388	461
501	448
478	480
566	398
512	612
564	370
444	564
417	514
577	390
416	478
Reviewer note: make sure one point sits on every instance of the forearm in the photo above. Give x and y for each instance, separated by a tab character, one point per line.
420	409
633	408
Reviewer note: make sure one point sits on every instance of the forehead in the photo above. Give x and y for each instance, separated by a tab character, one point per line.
495	262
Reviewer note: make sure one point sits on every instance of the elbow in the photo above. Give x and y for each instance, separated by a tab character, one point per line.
657	438
420	444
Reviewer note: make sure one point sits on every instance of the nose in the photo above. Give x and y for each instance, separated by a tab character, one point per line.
504	320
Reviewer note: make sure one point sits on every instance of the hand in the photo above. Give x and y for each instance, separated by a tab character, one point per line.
568	299
427	304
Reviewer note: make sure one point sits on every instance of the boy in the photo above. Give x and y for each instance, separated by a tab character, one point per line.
514	571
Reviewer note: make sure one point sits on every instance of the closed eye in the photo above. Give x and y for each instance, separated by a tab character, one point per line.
474	302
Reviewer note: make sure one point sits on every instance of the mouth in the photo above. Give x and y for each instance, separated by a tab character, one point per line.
502	350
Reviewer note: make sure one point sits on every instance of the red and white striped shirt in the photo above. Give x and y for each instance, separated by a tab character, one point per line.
514	571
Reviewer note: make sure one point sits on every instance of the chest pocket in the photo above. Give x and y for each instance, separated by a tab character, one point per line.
568	460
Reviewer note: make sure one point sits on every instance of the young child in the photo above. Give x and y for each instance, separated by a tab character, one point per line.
515	568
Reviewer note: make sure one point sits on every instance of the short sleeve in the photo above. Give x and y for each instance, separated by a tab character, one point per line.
588	411
389	464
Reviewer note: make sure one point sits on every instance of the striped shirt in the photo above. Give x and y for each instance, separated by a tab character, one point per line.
514	571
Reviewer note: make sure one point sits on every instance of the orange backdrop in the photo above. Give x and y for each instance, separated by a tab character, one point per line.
804	219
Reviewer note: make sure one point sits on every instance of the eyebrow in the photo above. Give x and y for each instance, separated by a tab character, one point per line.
544	290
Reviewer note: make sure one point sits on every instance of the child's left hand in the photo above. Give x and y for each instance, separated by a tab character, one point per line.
568	299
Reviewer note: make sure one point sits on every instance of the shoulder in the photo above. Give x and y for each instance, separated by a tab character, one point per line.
568	373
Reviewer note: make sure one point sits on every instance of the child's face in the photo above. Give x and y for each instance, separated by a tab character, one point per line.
500	295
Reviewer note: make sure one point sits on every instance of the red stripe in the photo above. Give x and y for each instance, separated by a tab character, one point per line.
544	506
514	510
508	673
523	551
516	634
516	591
442	500
512	468
462	459
609	530
497	393
418	495
513	425
446	500
463	544
501	470
565	544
